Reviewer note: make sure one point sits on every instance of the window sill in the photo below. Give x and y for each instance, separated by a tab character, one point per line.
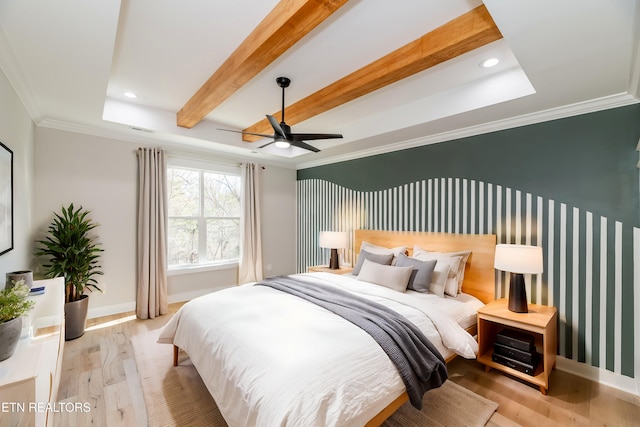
178	270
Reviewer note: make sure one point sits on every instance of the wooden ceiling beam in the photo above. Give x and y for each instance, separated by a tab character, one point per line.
287	23
461	35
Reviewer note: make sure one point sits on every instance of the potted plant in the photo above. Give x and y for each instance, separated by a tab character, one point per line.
73	253
13	305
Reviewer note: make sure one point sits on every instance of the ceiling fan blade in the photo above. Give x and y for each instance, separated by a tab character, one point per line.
247	133
268	143
282	131
276	127
304	145
312	136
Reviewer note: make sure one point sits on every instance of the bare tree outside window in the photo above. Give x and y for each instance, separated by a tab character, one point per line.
204	216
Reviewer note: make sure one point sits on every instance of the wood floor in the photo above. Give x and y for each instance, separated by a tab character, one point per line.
98	368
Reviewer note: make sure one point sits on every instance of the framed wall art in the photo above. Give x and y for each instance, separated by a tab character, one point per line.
6	199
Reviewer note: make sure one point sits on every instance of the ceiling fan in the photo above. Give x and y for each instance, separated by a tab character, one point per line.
283	137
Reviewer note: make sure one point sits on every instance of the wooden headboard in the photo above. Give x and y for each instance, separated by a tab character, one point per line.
479	276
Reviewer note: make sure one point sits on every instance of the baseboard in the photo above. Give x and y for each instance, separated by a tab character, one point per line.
602	376
131	306
111	309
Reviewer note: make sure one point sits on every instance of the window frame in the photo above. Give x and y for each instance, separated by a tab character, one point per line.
202	166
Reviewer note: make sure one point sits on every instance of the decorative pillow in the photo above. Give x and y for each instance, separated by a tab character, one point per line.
461	268
392	277
453	262
384	259
420	279
439	279
375	249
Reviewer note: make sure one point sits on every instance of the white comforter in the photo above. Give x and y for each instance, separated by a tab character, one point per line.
272	359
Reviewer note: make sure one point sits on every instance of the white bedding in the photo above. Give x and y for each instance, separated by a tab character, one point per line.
271	359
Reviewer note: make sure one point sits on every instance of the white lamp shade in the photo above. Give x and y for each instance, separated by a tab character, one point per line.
519	259
333	239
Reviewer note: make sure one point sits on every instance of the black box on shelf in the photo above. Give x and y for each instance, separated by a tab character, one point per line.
528	357
516	339
529	369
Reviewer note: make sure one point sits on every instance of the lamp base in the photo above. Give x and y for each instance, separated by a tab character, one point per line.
518	294
333	263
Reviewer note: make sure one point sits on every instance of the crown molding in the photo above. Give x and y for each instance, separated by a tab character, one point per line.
599	104
151	138
138	135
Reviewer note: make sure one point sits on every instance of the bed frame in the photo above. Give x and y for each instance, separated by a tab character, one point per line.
479	275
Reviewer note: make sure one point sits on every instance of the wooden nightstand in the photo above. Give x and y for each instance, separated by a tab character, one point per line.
540	322
326	269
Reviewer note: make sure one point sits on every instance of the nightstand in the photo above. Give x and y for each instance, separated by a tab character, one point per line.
326	269
540	322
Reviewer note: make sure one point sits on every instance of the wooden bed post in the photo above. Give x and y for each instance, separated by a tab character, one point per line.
175	355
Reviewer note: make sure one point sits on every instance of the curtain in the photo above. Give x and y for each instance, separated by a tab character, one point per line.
151	292
250	269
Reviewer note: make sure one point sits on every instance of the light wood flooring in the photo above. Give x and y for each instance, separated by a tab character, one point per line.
99	368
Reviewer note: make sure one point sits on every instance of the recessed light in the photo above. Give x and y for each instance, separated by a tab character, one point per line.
491	62
130	95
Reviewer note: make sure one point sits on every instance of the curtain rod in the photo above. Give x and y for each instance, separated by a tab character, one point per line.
213	161
186	157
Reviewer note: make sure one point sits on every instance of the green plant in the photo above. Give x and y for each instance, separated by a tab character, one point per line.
14	302
71	252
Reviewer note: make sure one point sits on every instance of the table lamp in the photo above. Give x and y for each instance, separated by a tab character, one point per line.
333	240
518	260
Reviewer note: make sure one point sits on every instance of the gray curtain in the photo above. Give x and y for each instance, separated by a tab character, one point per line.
250	269
151	297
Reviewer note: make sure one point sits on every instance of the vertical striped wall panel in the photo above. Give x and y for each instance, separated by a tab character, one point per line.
587	258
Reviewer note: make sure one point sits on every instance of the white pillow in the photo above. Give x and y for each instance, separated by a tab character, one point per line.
439	278
381	250
452	263
461	267
396	278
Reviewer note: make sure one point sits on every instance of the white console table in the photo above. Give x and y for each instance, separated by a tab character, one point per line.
29	379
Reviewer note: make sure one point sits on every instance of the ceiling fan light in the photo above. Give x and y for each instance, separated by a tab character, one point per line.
282	144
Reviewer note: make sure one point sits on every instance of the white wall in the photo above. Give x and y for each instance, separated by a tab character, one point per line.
279	220
100	174
17	133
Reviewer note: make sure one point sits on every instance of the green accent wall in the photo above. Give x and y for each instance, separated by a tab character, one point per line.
578	182
587	161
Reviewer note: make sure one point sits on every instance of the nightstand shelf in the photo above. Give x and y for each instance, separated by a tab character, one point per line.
540	322
326	269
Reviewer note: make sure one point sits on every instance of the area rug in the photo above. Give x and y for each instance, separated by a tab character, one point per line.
176	396
446	406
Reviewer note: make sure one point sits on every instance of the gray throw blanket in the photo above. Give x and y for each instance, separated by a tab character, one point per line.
419	363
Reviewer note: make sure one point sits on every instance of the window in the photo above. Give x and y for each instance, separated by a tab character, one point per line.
204	216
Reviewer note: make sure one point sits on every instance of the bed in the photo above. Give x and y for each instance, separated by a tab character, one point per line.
271	358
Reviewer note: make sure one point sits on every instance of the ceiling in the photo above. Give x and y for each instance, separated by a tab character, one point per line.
70	62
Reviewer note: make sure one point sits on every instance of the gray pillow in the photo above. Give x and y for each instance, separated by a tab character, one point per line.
422	271
384	259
